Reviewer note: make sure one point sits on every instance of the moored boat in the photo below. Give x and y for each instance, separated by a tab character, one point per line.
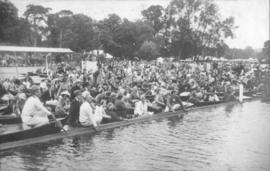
10	119
16	132
15	135
5	109
199	104
50	132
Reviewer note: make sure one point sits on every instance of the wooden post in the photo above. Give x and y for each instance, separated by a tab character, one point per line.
267	88
17	73
241	91
47	67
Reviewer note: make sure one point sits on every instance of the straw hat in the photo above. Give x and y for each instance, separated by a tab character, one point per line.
34	89
65	93
78	81
77	93
85	94
43	85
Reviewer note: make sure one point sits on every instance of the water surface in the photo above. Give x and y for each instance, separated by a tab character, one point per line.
229	137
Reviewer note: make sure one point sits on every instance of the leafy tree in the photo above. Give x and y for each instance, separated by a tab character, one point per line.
126	38
248	52
82	33
142	32
185	28
155	15
123	38
59	25
131	36
197	22
148	50
20	34
108	31
13	30
8	18
221	49
75	31
37	16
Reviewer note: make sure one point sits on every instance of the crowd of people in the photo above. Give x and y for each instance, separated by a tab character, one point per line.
120	90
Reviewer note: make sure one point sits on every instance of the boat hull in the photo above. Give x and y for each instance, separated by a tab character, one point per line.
6	119
26	133
207	103
90	130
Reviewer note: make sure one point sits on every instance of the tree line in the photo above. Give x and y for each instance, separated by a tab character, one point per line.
183	29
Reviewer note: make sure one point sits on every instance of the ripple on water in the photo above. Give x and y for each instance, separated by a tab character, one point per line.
229	137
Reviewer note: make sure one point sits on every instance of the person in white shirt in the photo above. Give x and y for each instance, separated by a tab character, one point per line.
33	112
141	107
100	112
86	116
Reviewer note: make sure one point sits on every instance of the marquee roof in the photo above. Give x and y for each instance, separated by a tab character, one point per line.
34	49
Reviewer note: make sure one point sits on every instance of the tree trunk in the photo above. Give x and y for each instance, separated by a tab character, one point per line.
180	52
35	40
60	39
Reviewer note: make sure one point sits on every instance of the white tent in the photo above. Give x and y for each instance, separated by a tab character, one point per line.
96	52
108	56
223	59
160	59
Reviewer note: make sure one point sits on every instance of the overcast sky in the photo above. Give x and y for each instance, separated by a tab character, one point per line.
251	16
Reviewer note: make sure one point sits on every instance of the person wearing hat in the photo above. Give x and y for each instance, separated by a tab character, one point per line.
141	106
73	117
33	112
63	104
86	116
174	102
47	93
76	86
159	103
20	100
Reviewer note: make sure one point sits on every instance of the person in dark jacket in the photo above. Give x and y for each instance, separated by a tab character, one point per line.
48	94
174	102
77	86
74	111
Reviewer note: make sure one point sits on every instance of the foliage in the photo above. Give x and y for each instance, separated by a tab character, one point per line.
108	31
148	50
123	38
8	18
246	53
82	33
59	26
155	16
185	28
197	24
37	16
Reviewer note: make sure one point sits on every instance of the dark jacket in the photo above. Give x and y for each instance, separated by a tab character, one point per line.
72	95
47	95
74	112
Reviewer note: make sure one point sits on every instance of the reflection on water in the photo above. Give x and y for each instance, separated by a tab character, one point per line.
229	137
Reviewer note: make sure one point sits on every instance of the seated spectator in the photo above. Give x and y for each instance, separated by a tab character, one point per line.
141	107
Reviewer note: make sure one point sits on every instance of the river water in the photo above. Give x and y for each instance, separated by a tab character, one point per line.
229	137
